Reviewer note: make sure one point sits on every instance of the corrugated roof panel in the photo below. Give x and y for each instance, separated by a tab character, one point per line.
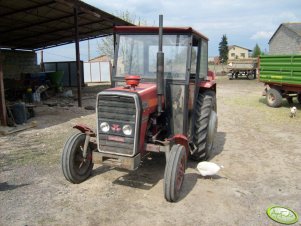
31	24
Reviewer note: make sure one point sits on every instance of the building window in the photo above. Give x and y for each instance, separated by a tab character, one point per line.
232	54
243	55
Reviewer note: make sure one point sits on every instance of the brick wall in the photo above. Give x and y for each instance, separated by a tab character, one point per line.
17	62
285	42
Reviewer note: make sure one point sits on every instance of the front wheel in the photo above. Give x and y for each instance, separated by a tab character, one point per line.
174	172
75	167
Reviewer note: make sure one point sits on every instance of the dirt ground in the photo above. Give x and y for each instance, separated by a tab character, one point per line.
259	147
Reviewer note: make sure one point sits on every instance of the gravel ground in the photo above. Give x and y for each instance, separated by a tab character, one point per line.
259	147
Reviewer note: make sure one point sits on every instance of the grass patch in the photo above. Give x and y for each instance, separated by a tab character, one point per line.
258	104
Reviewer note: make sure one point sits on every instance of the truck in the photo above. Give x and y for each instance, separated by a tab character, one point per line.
162	102
281	75
242	68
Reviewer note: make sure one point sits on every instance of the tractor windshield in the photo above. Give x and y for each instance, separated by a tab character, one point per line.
137	55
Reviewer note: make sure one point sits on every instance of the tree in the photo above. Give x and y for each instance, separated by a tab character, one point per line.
105	46
223	49
256	51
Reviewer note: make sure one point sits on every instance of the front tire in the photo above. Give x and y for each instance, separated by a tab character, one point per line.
75	168
205	125
174	172
274	98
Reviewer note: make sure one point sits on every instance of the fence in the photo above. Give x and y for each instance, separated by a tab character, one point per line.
97	72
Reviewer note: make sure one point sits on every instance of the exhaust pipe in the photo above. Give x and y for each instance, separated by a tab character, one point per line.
160	67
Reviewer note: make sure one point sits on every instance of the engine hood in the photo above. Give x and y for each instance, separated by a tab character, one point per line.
146	91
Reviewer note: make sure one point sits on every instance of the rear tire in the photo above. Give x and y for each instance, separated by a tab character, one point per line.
274	98
205	125
289	100
299	98
174	172
75	168
251	76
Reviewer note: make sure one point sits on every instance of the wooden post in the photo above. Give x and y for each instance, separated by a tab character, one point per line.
79	76
3	120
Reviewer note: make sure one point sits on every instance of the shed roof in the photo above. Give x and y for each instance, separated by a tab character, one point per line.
294	27
35	24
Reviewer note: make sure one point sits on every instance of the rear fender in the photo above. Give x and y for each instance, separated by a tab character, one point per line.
210	82
85	129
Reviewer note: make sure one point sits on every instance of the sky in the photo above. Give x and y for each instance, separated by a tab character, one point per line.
244	22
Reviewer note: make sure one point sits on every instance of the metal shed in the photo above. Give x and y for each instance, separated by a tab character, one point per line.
34	25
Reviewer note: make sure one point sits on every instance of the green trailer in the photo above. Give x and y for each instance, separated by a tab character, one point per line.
282	78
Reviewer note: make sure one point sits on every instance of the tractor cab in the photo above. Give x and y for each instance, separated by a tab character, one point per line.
163	99
185	67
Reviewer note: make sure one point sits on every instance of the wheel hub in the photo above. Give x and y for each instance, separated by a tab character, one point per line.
181	172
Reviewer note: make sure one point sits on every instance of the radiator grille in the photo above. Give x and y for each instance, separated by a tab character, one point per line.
117	111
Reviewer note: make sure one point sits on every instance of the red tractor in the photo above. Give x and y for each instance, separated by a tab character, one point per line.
159	102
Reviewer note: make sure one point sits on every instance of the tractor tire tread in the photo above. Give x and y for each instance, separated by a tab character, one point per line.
171	169
205	103
66	164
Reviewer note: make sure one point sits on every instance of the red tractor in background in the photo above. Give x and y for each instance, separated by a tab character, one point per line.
159	102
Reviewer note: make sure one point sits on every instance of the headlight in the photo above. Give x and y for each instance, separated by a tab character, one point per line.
104	127
127	130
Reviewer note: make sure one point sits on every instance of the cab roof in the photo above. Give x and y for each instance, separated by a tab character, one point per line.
155	30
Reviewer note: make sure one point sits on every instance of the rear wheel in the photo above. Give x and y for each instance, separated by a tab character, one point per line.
274	98
75	167
174	172
205	125
289	100
251	76
299	98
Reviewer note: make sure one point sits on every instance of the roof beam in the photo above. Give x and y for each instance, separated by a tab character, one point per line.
50	32
68	42
90	10
62	38
38	24
30	32
27	9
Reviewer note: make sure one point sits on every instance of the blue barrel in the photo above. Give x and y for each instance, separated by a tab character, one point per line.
19	113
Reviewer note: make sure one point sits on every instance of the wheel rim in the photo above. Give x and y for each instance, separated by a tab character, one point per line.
81	165
180	173
271	98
